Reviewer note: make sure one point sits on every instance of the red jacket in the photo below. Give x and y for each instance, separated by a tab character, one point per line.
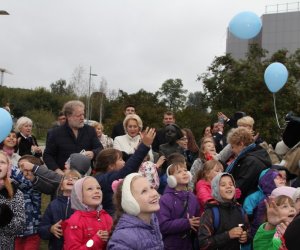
82	227
203	193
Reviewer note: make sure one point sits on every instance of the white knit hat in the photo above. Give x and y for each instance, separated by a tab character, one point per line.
128	202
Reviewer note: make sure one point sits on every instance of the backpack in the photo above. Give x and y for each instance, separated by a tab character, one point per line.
216	216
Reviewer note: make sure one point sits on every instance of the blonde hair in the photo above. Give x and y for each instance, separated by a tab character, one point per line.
21	122
240	135
97	124
246	121
135	118
6	180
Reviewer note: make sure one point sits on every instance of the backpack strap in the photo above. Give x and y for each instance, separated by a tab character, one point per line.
216	216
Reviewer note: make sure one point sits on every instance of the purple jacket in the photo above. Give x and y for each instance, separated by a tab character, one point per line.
173	221
134	234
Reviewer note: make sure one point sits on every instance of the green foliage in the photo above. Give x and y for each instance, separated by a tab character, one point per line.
231	85
60	87
173	94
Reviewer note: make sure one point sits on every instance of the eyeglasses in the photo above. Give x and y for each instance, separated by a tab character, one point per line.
71	178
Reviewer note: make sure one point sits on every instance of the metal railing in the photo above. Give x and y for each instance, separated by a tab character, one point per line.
283	7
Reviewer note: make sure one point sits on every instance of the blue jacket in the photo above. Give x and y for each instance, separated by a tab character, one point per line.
133	233
61	143
173	218
58	209
105	180
32	200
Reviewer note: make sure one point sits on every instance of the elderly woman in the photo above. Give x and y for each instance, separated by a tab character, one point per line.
129	142
27	143
251	159
105	140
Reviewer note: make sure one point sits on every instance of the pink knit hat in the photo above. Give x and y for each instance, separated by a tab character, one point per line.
284	190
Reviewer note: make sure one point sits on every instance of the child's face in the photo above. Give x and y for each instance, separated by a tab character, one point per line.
91	193
209	147
119	164
98	131
27	174
280	180
145	195
10	141
287	211
227	188
217	169
68	182
3	166
181	175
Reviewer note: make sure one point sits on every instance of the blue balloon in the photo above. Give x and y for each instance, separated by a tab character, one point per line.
245	25
275	76
5	124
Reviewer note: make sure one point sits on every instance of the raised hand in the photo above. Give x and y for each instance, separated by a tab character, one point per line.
148	136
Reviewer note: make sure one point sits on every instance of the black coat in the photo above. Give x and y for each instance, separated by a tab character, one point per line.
247	169
61	143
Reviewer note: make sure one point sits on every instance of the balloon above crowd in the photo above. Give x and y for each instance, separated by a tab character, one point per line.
5	124
245	25
276	75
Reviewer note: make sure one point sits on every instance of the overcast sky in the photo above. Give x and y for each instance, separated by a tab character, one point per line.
133	44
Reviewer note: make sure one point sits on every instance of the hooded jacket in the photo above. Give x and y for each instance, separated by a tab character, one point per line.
132	233
80	230
230	216
58	209
247	168
173	217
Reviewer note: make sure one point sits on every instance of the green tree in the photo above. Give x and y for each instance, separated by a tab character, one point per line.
173	94
60	87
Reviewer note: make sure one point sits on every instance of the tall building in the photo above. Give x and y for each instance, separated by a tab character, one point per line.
280	30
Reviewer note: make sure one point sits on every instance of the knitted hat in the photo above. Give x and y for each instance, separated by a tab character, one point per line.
287	191
80	162
215	186
289	175
76	196
128	202
296	195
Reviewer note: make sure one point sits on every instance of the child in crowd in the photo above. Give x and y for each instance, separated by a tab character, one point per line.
179	209
10	146
150	170
57	211
28	238
224	224
89	226
254	203
110	167
12	208
203	183
280	212
136	225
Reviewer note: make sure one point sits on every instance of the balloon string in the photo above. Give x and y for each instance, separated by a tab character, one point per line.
274	99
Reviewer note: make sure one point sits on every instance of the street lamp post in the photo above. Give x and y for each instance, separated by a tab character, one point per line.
89	94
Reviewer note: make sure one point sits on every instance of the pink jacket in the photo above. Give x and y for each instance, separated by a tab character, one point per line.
81	230
203	193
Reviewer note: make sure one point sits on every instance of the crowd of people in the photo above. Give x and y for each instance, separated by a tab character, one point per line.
146	188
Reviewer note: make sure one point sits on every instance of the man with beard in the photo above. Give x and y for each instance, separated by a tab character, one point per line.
72	137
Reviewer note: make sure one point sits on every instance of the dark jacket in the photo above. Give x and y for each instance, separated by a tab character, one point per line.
230	216
24	145
173	218
106	179
246	170
61	143
118	130
58	209
159	139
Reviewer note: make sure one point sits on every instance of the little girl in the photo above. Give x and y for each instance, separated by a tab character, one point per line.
280	212
203	184
231	229
179	209
136	223
90	225
57	211
12	209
